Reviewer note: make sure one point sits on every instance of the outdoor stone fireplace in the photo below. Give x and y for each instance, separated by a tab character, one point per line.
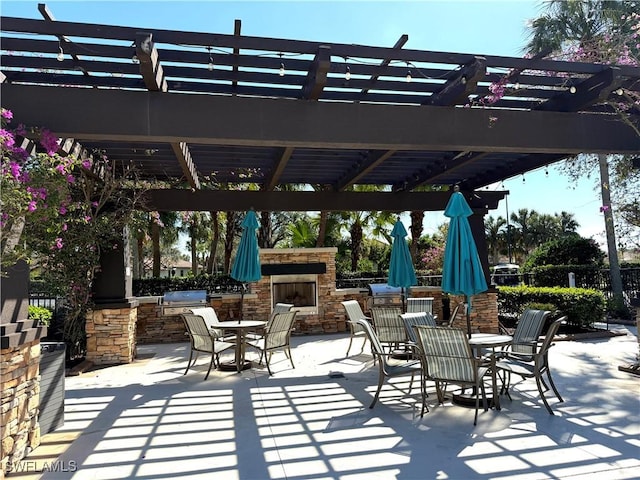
299	290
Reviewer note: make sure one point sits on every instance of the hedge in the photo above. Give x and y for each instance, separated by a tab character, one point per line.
211	283
582	306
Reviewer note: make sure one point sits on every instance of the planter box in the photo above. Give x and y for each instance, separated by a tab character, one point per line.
52	371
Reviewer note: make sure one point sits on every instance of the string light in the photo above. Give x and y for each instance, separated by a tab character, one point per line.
523	178
210	65
135	59
517	86
409	78
619	91
546	172
281	71
572	89
347	74
463	80
60	56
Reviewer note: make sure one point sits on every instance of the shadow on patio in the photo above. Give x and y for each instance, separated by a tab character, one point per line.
147	420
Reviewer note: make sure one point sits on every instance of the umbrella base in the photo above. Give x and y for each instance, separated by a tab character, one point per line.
234	367
469	400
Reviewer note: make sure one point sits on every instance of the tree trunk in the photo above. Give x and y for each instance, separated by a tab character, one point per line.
228	241
265	232
322	228
614	265
139	260
155	242
417	217
213	247
356	245
194	250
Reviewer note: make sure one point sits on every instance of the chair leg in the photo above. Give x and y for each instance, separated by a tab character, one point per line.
541	391
210	365
349	347
553	386
189	362
380	382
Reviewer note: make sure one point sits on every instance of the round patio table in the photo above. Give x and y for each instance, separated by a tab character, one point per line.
240	328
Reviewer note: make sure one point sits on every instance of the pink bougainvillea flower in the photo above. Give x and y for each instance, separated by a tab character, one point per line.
7	138
62	210
49	141
94	204
64	227
6	114
60	168
59	243
86	164
87	218
71	178
16	170
32	206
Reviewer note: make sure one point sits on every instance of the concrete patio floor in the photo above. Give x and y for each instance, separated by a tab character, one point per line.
148	420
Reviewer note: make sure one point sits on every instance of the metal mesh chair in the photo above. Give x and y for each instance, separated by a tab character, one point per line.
355	313
533	369
389	326
420	304
203	339
387	368
277	336
213	323
418	318
526	334
447	358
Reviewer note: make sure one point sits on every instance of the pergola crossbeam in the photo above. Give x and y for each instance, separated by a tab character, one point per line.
317	75
183	154
280	164
461	85
370	162
150	67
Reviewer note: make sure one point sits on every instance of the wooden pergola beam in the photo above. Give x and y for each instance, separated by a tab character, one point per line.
301	201
317	74
372	160
148	117
276	172
594	89
182	153
385	63
461	85
150	67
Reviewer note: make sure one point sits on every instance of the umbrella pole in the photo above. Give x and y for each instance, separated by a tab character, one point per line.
468	309
241	302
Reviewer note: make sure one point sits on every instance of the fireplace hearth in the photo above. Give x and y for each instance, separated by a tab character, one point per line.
299	290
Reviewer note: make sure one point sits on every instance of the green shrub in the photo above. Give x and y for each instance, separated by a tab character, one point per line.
565	250
582	306
42	314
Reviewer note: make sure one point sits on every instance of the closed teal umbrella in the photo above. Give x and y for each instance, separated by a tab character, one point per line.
246	266
462	273
401	272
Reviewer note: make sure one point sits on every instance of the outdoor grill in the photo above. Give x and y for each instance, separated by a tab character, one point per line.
178	302
384	294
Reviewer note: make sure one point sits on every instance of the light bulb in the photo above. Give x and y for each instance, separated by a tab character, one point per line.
619	91
135	59
572	89
210	66
463	80
347	75
409	78
60	56
517	85
281	71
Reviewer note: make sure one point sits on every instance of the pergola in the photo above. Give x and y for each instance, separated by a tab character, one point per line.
205	110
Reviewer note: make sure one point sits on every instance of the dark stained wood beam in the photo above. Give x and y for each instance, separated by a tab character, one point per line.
150	67
148	117
116	32
594	89
459	87
317	74
373	159
181	150
276	172
301	201
385	63
48	16
237	25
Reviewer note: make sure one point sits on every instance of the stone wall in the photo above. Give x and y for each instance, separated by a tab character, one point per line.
111	335
20	401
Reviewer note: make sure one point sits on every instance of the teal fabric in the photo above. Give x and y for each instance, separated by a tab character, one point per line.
462	273
401	272
246	267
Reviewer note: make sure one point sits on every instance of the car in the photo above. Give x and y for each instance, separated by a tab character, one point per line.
505	274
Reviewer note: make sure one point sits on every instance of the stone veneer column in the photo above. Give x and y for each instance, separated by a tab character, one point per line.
20	401
111	335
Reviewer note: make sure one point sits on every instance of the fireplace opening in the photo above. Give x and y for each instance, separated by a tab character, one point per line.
300	294
299	290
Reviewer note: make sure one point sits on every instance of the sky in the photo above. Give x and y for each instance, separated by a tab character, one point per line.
479	27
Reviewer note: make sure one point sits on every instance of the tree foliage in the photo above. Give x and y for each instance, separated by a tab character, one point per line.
566	250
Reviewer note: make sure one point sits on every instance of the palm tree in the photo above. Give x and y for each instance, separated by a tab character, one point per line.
493	229
568	223
522	240
590	25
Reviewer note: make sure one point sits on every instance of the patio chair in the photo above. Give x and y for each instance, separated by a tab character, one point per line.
213	323
389	327
535	369
203	339
388	368
525	336
258	333
277	336
355	313
417	318
420	304
447	358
